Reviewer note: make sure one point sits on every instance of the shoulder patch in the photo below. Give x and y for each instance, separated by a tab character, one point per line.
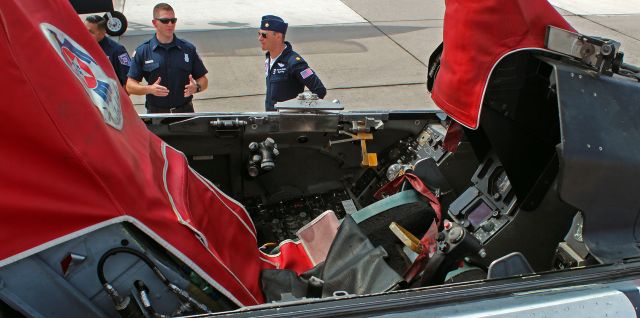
306	73
298	58
101	89
124	59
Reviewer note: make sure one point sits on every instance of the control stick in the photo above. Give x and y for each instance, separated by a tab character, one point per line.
453	244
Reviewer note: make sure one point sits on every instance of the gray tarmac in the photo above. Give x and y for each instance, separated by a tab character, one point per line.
379	62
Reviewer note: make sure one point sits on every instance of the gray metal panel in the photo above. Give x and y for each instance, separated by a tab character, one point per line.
591	302
600	157
38	287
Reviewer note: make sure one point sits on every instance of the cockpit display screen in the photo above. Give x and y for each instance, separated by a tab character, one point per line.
480	212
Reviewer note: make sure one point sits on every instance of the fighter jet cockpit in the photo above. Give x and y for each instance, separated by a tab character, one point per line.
486	203
517	185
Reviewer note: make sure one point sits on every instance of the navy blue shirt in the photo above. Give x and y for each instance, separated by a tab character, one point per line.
118	57
173	63
288	76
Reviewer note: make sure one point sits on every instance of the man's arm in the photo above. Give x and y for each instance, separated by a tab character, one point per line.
134	87
309	78
203	82
196	86
200	73
121	65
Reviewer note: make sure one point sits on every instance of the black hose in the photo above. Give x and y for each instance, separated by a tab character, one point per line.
182	295
131	251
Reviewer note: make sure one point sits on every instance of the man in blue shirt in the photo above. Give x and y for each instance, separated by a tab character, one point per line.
171	67
286	71
116	53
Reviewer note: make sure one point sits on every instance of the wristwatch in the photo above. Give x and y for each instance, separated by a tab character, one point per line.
198	88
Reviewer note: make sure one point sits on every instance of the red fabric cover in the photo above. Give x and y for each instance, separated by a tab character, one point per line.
63	169
393	186
477	34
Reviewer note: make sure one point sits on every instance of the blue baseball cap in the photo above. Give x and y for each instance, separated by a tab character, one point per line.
273	23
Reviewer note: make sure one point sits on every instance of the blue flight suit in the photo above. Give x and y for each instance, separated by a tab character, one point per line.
288	76
173	63
118	57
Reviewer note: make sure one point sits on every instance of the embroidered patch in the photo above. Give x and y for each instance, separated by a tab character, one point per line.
100	88
306	73
186	57
298	58
124	59
280	64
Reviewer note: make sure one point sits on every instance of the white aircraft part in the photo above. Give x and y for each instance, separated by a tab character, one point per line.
591	7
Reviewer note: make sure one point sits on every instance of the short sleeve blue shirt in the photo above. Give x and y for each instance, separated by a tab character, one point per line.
173	63
118	57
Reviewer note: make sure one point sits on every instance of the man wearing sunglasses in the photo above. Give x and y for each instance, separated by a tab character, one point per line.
117	54
286	71
171	67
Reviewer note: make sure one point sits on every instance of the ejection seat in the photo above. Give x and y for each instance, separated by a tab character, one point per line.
354	263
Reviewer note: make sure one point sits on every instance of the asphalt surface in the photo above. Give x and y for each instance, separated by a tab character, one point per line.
370	54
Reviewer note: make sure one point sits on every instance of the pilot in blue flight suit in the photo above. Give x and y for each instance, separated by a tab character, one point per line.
286	71
171	66
116	53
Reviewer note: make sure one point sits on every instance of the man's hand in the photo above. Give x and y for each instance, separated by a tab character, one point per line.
158	90
190	88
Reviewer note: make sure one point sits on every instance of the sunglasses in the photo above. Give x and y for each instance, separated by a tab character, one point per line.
262	34
167	20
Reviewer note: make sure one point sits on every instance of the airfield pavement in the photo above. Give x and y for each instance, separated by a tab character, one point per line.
370	54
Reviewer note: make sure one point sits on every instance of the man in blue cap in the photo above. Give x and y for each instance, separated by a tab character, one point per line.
286	71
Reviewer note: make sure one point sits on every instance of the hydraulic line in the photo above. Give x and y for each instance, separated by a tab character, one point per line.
124	303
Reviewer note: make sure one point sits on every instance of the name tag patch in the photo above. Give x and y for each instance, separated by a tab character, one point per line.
148	62
281	70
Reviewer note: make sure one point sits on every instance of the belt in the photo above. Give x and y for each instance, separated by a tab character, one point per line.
186	108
